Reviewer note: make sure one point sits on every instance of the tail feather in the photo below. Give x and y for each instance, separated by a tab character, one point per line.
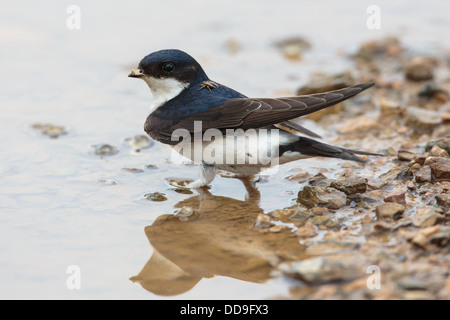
313	148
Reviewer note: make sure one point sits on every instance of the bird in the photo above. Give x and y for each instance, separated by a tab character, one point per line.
194	114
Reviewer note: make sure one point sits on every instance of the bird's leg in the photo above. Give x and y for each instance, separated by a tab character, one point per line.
253	194
207	175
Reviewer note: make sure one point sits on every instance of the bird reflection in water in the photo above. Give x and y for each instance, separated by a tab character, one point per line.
213	235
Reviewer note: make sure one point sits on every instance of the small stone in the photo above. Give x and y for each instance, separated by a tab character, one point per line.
443	200
389	107
428	216
424	236
420	157
420	69
350	185
391	175
155	196
104	150
49	130
432	90
299	177
443	143
436	151
389	210
415	167
398	196
139	142
318	196
440	167
293	48
331	268
422	119
307	231
376	183
107	182
404	155
423	175
133	170
233	46
319	211
381	49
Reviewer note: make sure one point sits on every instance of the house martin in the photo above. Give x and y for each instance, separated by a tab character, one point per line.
210	119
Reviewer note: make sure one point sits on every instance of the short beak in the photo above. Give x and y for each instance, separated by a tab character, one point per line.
136	74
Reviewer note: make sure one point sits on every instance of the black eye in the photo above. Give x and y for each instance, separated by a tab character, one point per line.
168	67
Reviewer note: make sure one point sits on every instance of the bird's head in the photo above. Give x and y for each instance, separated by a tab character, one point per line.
168	72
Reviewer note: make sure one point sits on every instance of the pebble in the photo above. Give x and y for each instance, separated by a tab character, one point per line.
419	69
293	48
327	269
397	196
104	150
436	151
424	235
50	130
423	175
404	155
440	167
443	200
299	177
350	185
389	210
155	196
443	143
422	119
139	142
428	216
318	196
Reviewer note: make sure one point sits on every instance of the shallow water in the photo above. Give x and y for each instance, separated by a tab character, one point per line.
62	205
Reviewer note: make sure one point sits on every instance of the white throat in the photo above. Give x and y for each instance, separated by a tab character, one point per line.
163	90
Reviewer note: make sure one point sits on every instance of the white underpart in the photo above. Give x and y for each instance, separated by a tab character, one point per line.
163	90
259	151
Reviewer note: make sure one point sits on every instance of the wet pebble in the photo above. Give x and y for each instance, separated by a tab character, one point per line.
104	150
299	177
428	216
50	130
319	196
155	196
443	143
404	155
107	182
440	167
422	119
326	269
443	200
424	236
139	142
436	151
293	48
423	175
397	196
389	210
350	185
420	69
132	170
